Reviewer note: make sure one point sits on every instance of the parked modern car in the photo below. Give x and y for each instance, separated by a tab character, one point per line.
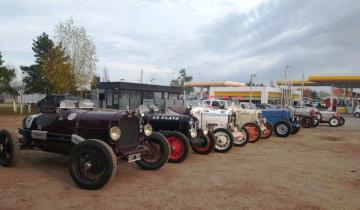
283	121
357	111
94	141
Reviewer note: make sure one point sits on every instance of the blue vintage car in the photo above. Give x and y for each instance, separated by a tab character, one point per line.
282	120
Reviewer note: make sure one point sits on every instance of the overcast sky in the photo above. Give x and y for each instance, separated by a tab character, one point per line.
213	40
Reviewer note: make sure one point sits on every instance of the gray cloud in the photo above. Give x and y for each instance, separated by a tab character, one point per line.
217	40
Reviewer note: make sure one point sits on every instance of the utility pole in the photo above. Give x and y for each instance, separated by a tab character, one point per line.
251	81
141	76
302	91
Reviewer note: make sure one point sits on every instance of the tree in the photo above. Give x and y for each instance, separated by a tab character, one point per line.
6	76
34	79
313	94
182	78
57	65
80	49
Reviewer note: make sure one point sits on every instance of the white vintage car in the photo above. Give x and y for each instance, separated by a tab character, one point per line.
357	111
307	116
333	118
246	117
222	122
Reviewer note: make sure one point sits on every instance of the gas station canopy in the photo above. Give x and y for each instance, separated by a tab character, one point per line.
336	81
214	84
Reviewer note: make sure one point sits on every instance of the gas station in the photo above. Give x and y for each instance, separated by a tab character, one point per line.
343	98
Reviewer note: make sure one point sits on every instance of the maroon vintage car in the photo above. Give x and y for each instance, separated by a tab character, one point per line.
95	140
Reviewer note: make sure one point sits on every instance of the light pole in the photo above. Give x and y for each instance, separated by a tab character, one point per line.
251	81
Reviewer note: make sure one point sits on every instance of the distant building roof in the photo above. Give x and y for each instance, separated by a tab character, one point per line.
138	86
214	84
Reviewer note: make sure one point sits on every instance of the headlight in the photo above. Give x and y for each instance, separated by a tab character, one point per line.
193	133
205	131
148	130
115	133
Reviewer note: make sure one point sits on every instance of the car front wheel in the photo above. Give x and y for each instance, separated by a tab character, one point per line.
158	153
254	132
207	146
283	129
224	140
357	114
241	137
334	122
9	148
307	122
92	164
179	146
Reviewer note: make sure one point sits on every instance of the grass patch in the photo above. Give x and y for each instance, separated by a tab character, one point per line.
8	109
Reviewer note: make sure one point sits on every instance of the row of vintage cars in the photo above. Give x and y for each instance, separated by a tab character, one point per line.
96	140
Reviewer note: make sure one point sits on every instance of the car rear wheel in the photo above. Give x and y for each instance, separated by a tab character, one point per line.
341	121
9	148
254	132
224	140
92	164
179	146
158	153
241	137
268	131
208	146
283	129
334	122
307	122
357	115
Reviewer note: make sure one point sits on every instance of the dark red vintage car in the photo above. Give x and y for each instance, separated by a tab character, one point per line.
95	140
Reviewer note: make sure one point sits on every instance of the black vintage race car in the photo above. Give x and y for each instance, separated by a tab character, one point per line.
182	132
95	140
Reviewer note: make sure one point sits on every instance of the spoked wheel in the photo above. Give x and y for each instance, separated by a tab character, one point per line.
224	140
307	122
9	148
241	137
179	146
92	164
334	122
283	129
254	131
341	121
158	153
357	115
268	131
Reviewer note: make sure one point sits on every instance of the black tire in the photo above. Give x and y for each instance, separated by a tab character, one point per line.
334	122
181	142
357	114
209	145
92	164
295	130
283	129
307	122
9	148
159	147
270	129
316	123
242	142
341	121
226	142
256	137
